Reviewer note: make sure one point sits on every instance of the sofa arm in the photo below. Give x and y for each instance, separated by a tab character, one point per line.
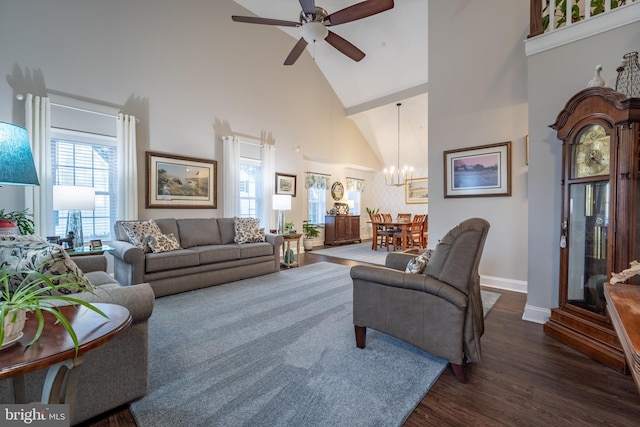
91	263
398	260
128	263
418	282
276	240
138	299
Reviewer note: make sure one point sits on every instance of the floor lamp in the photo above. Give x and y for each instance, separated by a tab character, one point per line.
74	199
281	203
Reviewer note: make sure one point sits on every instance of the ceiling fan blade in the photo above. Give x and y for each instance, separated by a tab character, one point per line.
265	21
359	11
344	46
308	6
296	52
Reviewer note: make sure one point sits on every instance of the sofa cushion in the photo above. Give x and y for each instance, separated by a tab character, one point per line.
171	260
46	258
163	243
227	230
137	231
247	230
169	226
198	232
252	250
218	253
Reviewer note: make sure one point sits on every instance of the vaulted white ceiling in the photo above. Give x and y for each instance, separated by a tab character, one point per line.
393	70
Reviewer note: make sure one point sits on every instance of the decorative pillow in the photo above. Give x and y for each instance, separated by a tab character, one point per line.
163	243
137	232
418	264
22	238
46	258
247	231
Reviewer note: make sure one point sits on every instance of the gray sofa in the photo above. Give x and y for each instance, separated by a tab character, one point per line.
117	372
208	256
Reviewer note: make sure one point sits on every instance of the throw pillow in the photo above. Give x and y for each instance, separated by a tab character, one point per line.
46	258
163	243
247	231
418	264
137	231
21	238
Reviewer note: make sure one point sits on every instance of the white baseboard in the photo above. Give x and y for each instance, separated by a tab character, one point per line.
502	283
536	314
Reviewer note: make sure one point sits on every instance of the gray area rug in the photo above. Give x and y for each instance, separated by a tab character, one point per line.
278	350
356	252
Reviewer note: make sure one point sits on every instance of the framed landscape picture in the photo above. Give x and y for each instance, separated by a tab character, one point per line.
285	184
481	171
180	182
416	191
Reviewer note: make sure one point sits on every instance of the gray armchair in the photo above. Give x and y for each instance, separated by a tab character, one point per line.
439	311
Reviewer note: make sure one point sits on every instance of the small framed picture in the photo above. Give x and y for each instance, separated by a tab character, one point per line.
285	184
95	244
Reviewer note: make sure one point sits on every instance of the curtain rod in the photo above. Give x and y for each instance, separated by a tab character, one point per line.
318	173
357	179
20	97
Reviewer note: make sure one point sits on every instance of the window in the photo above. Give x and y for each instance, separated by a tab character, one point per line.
355	196
317	205
83	159
250	188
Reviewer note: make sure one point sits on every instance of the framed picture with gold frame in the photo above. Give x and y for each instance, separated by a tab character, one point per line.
180	182
416	191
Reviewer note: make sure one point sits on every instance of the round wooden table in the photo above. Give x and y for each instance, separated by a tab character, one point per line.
55	350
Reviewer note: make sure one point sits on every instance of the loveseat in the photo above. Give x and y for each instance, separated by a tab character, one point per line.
192	253
116	372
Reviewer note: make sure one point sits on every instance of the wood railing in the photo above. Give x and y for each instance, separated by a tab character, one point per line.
545	17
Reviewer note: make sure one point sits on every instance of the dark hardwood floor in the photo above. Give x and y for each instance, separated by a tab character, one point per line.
525	379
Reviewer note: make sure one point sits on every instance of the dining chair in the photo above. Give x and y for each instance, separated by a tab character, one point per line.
382	235
414	233
425	231
404	217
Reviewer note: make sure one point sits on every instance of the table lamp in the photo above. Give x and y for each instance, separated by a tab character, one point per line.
74	199
15	156
281	203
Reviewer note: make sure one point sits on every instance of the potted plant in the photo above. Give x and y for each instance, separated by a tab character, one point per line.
36	293
20	219
311	232
371	211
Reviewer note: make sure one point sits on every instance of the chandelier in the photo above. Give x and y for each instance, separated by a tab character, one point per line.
394	176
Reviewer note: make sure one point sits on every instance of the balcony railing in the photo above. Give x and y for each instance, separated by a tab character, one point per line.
547	16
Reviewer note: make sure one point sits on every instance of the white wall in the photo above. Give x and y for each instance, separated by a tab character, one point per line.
478	96
555	76
188	72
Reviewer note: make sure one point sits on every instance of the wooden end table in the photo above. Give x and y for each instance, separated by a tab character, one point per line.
288	238
55	350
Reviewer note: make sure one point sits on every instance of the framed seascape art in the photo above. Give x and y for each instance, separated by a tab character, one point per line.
416	191
285	184
180	182
482	171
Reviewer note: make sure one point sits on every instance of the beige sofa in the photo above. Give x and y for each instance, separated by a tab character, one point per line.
207	256
117	372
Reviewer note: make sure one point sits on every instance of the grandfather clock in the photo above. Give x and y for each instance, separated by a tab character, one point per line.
600	219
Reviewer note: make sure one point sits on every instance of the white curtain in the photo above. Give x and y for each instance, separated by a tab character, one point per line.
231	162
269	186
128	167
38	125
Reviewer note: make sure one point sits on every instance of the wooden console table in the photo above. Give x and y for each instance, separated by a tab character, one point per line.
623	303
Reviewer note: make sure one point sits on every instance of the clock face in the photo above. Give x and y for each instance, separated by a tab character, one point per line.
591	153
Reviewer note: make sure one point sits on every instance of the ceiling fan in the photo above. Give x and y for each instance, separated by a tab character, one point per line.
314	21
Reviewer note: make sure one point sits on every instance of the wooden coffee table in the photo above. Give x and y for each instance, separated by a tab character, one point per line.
55	350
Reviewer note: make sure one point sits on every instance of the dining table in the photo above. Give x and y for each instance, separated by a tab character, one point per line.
402	224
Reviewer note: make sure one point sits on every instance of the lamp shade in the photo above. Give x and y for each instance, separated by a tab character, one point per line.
69	197
16	160
282	202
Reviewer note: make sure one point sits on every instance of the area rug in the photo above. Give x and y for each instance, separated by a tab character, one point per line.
277	350
357	252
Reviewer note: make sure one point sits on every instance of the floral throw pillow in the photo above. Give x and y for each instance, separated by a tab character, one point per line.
418	264
247	230
163	243
46	258
137	232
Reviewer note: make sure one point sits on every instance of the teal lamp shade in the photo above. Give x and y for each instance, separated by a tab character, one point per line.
16	160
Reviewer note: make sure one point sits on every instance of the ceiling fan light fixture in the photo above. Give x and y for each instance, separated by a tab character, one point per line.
314	31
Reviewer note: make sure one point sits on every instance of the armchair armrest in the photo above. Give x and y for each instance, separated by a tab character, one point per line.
128	262
91	263
419	282
138	299
398	260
